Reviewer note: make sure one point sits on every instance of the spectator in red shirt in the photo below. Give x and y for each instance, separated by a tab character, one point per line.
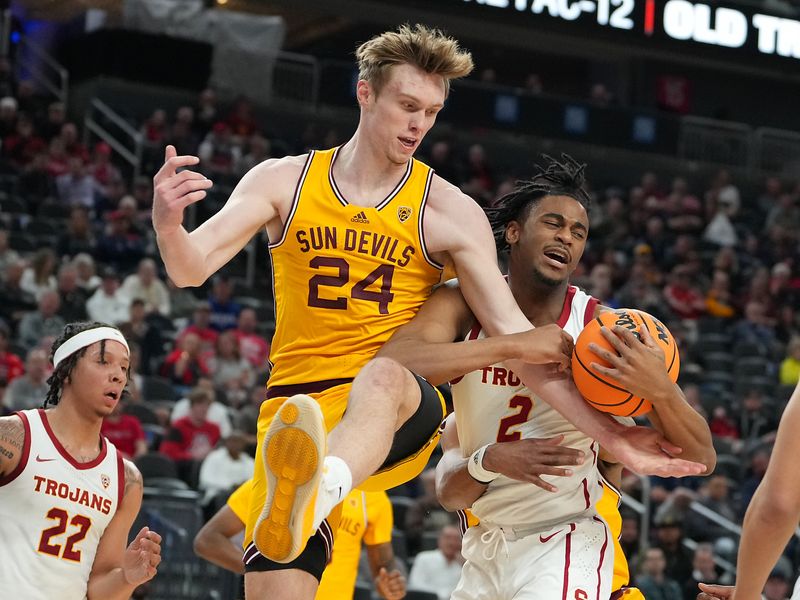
685	300
241	120
252	346
72	144
57	158
125	432
721	425
22	145
201	326
101	167
155	128
11	365
185	365
190	439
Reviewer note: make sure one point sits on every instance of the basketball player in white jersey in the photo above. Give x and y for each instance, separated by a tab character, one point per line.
539	534
404	79
67	497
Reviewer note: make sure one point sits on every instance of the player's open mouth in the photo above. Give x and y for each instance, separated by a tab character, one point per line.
112	395
409	143
557	257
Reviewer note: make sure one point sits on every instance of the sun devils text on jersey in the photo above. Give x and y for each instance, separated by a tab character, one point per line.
346	276
53	512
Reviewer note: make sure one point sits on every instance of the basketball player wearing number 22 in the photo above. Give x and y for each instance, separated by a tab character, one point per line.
529	479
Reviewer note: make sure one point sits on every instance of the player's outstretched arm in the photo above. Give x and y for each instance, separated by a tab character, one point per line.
12	441
671	414
118	569
456	226
190	258
774	510
523	460
430	344
213	541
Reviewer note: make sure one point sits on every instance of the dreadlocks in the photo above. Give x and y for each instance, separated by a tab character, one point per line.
564	178
62	372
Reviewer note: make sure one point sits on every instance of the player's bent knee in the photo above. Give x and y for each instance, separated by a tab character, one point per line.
386	369
388	374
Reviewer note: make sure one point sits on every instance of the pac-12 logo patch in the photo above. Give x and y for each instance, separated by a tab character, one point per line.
403	213
105	480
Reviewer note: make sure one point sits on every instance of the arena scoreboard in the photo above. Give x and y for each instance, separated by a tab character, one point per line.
735	29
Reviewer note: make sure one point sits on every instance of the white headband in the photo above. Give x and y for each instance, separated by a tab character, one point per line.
87	338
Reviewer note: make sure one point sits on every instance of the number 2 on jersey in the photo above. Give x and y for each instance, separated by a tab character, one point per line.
384	273
524	405
70	553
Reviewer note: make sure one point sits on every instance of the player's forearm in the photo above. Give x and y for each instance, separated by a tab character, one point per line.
767	528
456	489
111	585
442	362
686	428
380	556
560	393
217	549
185	263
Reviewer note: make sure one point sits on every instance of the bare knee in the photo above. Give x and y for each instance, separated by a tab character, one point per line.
384	371
393	382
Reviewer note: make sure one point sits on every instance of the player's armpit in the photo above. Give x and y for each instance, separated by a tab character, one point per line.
12	441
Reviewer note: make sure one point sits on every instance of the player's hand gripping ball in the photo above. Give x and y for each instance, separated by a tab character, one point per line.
602	392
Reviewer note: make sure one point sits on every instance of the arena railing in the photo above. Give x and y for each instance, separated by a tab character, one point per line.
37	63
177	516
105	123
709	140
776	150
643	510
296	78
305	80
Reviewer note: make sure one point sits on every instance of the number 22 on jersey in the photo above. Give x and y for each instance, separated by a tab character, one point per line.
55	549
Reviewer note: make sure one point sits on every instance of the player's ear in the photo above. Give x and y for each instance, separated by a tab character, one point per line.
364	93
512	233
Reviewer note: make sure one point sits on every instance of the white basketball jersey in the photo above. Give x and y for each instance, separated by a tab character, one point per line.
53	512
492	405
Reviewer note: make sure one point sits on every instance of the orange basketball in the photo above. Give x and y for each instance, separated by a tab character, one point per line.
602	392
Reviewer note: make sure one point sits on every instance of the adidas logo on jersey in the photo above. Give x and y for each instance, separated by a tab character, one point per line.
360	218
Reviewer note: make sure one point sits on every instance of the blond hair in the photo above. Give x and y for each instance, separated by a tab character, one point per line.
425	48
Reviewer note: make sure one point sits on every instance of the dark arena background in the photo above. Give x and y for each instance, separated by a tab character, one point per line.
685	111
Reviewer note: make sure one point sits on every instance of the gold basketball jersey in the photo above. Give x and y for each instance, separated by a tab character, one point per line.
345	277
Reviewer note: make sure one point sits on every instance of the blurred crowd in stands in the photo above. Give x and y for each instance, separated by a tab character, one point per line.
718	263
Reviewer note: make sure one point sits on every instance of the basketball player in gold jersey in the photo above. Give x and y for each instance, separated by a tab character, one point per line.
540	218
359	236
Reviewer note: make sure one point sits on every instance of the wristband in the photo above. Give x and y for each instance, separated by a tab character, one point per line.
476	469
